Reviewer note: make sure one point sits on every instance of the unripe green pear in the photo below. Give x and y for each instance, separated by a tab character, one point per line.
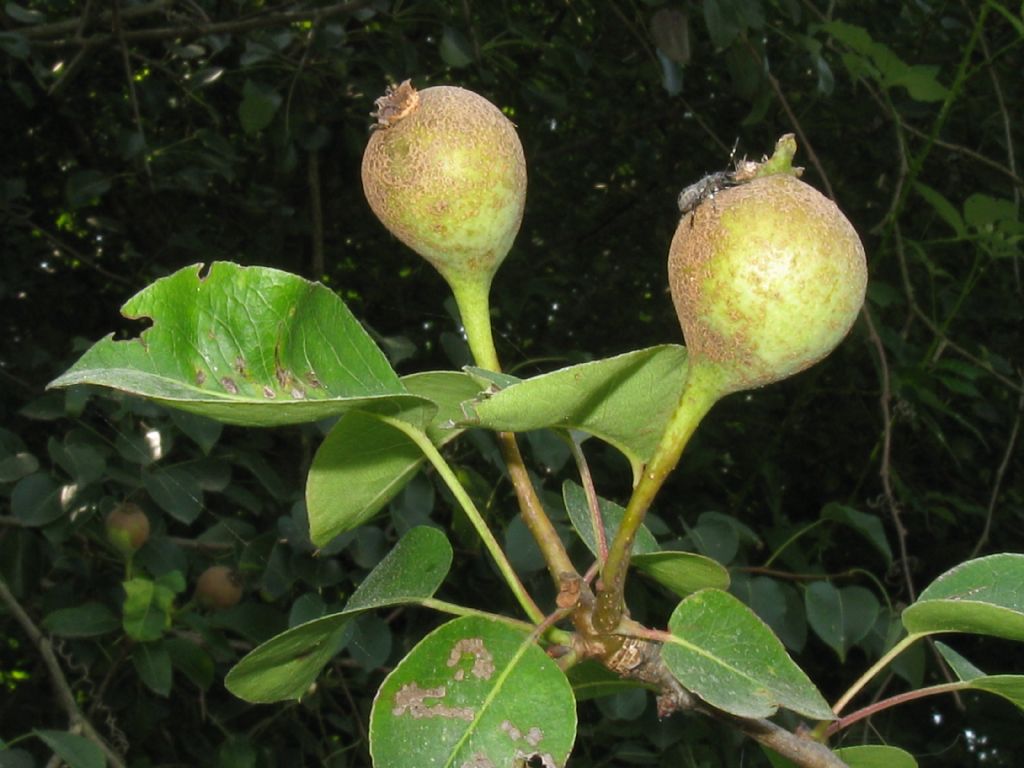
767	277
127	528
445	173
218	588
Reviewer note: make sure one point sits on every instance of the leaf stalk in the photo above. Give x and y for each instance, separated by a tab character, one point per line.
702	389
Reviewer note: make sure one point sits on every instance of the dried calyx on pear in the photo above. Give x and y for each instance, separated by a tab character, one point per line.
444	171
767	276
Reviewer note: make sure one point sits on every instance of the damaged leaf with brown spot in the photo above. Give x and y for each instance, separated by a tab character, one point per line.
475	692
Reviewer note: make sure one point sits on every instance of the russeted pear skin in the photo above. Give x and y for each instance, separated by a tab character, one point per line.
445	173
767	278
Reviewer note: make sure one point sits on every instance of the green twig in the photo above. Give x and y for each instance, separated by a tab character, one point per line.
701	391
474	307
593	504
902	698
475	518
877	667
79	723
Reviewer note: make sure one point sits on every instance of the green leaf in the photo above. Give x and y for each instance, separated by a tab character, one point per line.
1010	687
625	401
920	81
455	49
716	535
886	67
147	609
15	46
23	14
721	651
77	751
85	187
474	692
683	572
194	662
363	463
962	668
591	680
410	572
17	466
779	605
258	107
36	500
984	212
840	617
285	666
448	390
722	24
152	662
246	345
204	432
578	507
868	526
983	596
12	757
176	490
85	620
876	756
946	210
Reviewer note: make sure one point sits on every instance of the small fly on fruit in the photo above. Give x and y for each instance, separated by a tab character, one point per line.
705	189
694	195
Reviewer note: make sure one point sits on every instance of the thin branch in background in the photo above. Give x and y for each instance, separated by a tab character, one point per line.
193	31
641	37
316	215
201	546
952	94
316	211
1000	474
704	125
62	249
65	696
903	168
805	142
885	466
920	314
132	93
1011	157
61	28
78	63
473	37
1009	172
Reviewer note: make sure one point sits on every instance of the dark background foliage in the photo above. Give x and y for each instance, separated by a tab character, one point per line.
140	137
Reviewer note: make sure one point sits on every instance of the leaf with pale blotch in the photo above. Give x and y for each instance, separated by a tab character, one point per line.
625	400
721	651
247	345
286	665
474	693
983	596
